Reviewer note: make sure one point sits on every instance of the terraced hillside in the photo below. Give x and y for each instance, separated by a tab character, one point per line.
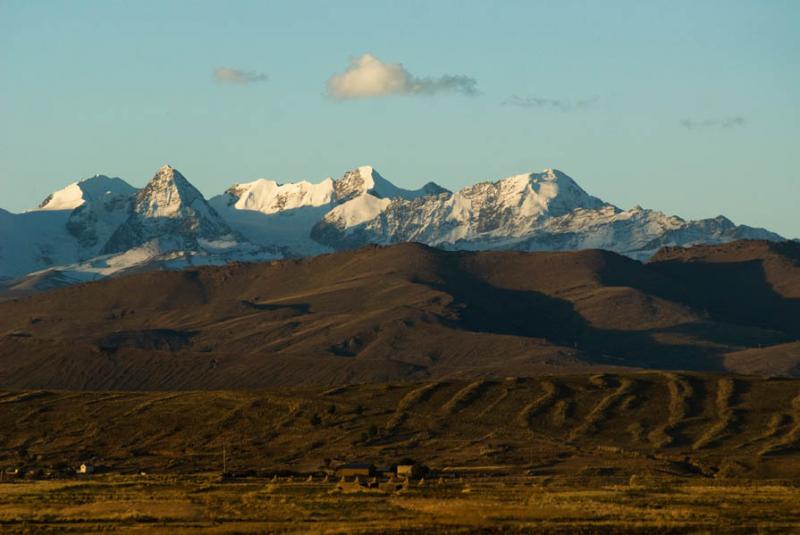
679	424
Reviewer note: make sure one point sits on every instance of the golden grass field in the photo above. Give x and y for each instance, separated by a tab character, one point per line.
183	504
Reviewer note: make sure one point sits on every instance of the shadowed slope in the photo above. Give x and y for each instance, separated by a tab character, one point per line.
406	312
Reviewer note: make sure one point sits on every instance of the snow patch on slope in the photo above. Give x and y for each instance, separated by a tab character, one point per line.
149	256
358	210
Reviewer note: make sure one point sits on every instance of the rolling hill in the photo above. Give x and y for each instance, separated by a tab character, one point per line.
410	313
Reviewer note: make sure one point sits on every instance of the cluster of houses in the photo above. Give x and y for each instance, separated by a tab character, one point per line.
403	470
407	470
358	477
36	473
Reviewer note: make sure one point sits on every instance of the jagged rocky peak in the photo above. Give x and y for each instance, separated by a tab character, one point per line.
171	210
366	179
167	193
96	188
432	188
358	181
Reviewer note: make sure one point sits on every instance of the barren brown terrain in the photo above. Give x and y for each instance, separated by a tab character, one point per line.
647	452
680	424
411	313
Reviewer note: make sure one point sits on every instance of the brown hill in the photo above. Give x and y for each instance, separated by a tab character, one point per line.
406	312
653	423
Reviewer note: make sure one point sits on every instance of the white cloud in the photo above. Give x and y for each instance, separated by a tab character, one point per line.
367	76
228	75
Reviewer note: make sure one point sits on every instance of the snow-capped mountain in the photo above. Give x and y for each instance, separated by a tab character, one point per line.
173	212
485	212
366	180
283	215
96	189
103	226
532	212
70	224
96	213
269	197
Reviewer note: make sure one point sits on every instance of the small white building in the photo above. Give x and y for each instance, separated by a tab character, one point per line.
86	469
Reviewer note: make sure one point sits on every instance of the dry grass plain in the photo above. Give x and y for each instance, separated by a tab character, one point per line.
201	502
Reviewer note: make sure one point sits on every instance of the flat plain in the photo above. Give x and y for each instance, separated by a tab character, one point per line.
183	504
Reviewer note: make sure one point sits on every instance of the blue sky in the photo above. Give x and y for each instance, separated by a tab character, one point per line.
690	107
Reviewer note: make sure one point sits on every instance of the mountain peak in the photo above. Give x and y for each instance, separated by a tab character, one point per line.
551	172
97	187
547	193
367	170
171	211
167	173
166	193
366	179
268	196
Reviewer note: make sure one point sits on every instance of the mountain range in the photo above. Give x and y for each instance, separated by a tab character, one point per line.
102	226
